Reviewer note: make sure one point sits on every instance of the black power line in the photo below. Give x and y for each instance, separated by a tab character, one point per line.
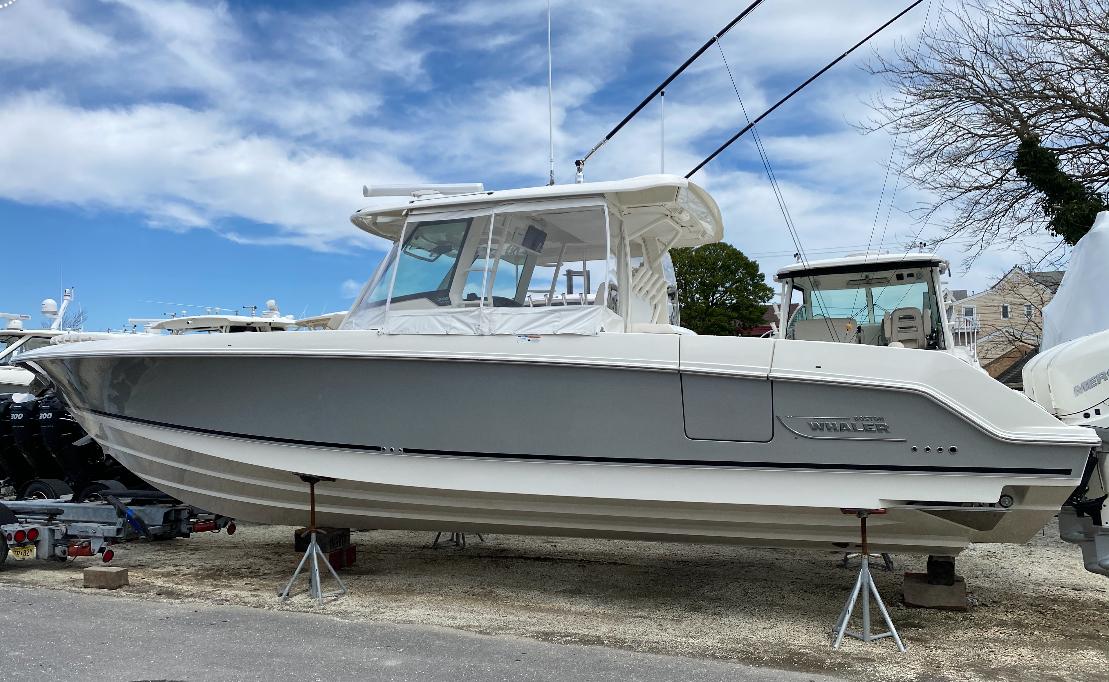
580	163
798	89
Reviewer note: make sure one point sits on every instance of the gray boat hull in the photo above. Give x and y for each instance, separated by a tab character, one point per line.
562	449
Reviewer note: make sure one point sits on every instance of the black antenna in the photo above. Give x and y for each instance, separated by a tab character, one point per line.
799	88
580	163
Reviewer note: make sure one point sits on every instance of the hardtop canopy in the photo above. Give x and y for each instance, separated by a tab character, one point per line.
686	208
871	262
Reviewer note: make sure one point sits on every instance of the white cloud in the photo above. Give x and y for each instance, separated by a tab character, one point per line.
210	115
175	164
350	288
32	32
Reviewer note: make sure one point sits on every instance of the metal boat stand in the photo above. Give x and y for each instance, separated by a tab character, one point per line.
455	538
313	555
864	587
887	560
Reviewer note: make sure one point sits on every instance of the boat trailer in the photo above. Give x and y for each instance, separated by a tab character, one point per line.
60	530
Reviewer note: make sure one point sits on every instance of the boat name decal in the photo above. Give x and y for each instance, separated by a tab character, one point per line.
1091	383
820	424
859	427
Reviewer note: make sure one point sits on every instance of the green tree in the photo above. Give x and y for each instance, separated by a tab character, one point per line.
720	290
1070	205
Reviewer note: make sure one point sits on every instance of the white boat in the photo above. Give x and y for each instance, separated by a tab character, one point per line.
511	367
16	340
1070	379
219	323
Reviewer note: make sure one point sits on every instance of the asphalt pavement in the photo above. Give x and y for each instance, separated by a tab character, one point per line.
53	634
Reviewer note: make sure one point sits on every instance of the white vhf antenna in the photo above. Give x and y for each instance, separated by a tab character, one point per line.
550	98
662	133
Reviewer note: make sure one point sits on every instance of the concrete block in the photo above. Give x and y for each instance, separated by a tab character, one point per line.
106	577
917	592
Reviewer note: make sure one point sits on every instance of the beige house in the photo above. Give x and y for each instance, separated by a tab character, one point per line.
1004	322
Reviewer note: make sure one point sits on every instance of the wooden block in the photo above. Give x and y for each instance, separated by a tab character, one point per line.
106	577
919	593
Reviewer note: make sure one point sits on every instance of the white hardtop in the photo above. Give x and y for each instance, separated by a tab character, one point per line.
222	323
873	261
689	207
8	334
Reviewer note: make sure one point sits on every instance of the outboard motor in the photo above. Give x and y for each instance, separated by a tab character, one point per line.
28	440
60	433
1070	381
15	466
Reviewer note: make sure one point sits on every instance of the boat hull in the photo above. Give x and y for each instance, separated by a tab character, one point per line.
535	444
252	480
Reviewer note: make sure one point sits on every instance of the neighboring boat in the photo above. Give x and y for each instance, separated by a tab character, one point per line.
1070	379
326	321
218	323
16	340
511	367
43	452
887	299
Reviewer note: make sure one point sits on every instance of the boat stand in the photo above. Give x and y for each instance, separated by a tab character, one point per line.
887	560
865	588
313	555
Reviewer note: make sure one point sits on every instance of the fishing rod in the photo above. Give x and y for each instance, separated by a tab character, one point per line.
799	88
580	163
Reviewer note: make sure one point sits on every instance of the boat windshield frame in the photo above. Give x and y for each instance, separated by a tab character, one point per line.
870	327
501	243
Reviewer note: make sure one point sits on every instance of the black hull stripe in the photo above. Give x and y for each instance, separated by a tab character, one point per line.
602	460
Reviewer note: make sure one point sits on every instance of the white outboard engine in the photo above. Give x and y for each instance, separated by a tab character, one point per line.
1070	379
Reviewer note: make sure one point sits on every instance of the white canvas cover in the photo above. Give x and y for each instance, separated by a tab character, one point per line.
1078	308
481	319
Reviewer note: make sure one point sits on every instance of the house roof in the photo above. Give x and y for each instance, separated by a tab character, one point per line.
1012	374
1048	278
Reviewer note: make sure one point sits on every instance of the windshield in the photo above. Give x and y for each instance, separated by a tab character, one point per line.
867	304
10	348
876	308
427	263
458	272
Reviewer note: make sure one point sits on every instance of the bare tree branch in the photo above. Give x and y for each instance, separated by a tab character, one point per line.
987	75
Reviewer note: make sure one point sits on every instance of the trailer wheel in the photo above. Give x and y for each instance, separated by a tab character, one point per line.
93	492
45	489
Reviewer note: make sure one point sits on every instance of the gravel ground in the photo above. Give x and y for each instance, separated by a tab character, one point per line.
1037	613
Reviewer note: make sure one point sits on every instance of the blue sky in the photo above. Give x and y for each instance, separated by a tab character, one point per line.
210	154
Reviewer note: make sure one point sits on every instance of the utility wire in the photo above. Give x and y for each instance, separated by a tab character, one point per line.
799	88
893	147
580	163
778	196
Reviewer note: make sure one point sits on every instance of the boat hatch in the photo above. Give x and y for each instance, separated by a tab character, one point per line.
877	304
